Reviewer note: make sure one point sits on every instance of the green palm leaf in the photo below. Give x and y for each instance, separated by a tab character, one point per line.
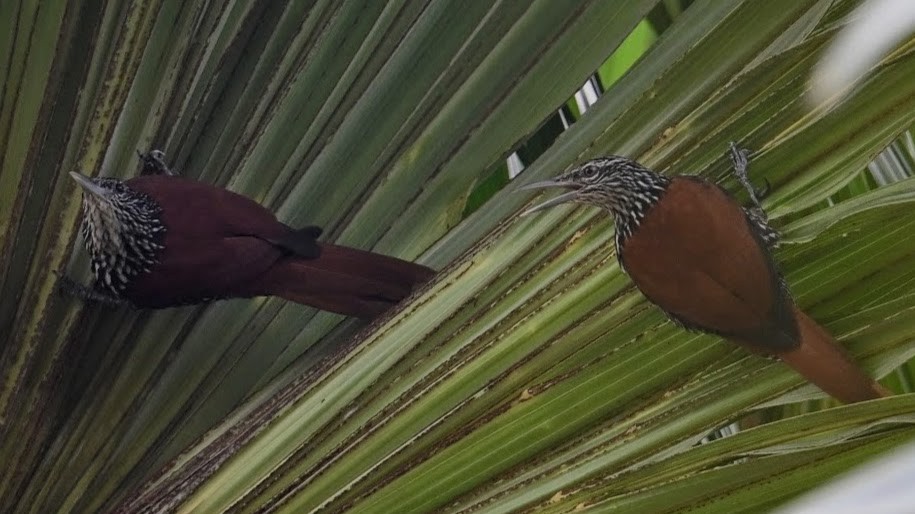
530	374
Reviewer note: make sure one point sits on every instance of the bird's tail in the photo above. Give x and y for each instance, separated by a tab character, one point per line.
823	361
345	280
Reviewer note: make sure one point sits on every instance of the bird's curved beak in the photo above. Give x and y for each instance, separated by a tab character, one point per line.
563	198
88	185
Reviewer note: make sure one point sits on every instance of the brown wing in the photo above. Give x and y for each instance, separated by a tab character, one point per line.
200	210
696	256
215	243
203	209
193	270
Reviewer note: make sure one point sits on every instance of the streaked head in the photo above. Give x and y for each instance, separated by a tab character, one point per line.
107	203
99	189
121	229
617	184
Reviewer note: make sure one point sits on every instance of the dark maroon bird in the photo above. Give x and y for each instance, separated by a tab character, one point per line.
160	241
705	261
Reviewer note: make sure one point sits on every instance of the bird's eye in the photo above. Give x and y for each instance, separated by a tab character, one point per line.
589	173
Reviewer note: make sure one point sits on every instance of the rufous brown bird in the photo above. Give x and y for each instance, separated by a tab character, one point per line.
705	261
159	241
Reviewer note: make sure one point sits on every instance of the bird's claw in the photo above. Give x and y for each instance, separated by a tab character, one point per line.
756	214
66	285
153	163
740	159
69	287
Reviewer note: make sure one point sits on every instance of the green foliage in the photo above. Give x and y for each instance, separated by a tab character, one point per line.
529	375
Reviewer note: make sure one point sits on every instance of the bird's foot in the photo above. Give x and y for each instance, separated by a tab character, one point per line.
153	163
760	221
740	159
70	287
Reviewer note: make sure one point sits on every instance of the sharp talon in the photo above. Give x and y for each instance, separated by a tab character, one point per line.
153	163
64	285
740	157
68	287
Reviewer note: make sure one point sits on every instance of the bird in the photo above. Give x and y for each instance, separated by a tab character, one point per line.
706	261
160	240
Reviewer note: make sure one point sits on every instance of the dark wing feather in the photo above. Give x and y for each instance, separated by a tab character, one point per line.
696	256
201	269
197	209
